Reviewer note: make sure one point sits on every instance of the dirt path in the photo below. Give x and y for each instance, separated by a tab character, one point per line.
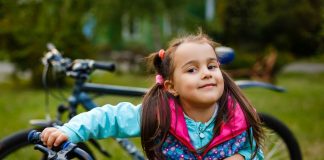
304	68
5	70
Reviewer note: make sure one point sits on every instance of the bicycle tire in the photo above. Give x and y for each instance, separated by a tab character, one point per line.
276	133
18	142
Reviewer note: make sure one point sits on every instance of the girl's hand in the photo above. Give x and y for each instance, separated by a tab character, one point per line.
53	137
235	157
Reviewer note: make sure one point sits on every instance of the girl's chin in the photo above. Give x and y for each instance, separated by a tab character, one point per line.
210	96
209	100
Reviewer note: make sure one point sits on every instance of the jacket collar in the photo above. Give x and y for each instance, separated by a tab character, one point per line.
235	126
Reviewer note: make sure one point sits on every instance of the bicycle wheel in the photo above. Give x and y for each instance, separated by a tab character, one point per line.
16	146
280	143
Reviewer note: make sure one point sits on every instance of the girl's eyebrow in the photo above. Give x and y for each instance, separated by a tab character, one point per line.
195	61
190	62
212	59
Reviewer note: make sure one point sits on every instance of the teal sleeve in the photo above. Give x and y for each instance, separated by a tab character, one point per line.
247	151
120	121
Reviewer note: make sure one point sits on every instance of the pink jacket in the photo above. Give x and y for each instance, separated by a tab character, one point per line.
229	130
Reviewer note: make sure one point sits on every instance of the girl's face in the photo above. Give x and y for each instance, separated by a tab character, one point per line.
197	78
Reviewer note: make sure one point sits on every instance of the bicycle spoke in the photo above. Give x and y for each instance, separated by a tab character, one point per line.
275	147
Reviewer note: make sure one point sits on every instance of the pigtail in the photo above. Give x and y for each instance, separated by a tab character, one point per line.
252	118
155	122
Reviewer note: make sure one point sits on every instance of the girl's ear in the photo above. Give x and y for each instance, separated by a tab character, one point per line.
168	84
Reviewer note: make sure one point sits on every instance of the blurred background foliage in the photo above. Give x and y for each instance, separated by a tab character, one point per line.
111	28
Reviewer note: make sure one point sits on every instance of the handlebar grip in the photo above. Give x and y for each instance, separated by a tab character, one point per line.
104	66
34	137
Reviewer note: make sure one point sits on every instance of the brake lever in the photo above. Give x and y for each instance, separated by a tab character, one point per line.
51	155
67	148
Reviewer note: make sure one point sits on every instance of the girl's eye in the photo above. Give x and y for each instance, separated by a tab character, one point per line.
212	67
192	70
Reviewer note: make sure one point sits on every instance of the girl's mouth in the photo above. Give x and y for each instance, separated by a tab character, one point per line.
208	85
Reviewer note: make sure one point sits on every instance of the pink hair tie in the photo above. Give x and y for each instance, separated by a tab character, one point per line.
161	53
159	79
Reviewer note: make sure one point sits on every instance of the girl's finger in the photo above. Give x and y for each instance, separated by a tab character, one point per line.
51	139
61	138
45	134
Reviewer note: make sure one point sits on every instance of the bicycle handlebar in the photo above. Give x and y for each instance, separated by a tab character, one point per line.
60	64
104	66
73	68
64	149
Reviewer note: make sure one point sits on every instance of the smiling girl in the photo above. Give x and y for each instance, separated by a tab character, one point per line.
193	111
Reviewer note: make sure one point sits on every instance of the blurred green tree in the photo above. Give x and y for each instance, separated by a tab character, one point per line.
26	27
83	28
293	26
78	28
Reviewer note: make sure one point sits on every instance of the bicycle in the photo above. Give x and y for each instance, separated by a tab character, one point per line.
278	134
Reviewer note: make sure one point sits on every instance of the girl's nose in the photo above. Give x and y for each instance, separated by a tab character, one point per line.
206	73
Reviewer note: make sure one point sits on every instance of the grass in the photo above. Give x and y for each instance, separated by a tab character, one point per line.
300	107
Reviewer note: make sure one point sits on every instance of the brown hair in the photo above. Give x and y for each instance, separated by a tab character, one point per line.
156	115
